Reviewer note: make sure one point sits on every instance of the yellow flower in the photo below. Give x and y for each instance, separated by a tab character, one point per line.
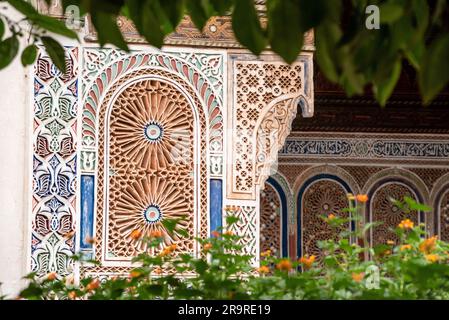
136	234
358	277
428	245
350	196
207	246
391	242
263	270
94	284
406	224
307	262
229	233
363	198
284	265
72	295
52	276
405	247
432	257
266	253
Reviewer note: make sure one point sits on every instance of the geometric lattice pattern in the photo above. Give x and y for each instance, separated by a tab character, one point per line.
151	161
257	85
385	211
322	198
444	217
270	221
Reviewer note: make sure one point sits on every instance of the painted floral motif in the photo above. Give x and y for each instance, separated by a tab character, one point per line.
54	166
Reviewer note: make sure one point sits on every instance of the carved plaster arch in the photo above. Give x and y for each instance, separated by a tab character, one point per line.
401	177
439	190
272	130
336	184
410	178
326	169
202	136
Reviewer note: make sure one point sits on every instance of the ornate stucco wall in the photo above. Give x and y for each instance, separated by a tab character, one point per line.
316	170
124	140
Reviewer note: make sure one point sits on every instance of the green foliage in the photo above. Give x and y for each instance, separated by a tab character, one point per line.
415	267
348	53
29	55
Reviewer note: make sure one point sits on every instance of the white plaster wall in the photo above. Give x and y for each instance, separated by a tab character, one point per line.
15	110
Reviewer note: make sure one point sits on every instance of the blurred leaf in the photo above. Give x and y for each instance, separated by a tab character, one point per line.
200	11
47	23
416	206
56	52
285	31
221	6
246	26
29	55
8	50
107	29
390	12
327	36
2	29
384	88
434	73
149	20
230	220
174	11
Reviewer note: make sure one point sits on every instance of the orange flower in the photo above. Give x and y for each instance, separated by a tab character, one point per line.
391	242
69	280
135	274
406	224
69	235
165	252
428	245
207	246
229	233
363	198
284	265
263	270
331	216
231	208
432	257
136	234
52	276
90	240
266	253
72	295
405	247
94	284
215	234
307	262
158	270
156	234
358	277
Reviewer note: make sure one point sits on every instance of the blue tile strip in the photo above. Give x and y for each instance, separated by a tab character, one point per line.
216	204
87	210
